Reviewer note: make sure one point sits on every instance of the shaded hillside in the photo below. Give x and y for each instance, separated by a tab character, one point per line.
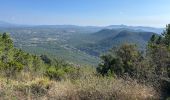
105	39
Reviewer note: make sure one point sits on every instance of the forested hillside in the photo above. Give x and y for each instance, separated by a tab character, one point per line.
102	41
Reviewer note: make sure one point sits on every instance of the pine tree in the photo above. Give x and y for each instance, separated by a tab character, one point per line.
166	35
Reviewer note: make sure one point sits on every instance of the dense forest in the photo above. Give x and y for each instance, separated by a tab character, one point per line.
124	73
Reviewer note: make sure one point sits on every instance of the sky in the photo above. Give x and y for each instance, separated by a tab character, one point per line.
86	12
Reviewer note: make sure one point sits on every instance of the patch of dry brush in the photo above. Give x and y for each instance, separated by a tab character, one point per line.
85	88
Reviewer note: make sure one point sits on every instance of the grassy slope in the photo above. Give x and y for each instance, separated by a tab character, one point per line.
86	87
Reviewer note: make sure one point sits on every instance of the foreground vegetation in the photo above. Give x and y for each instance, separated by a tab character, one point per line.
125	73
86	87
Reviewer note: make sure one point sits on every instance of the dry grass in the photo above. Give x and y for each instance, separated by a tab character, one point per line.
85	88
95	88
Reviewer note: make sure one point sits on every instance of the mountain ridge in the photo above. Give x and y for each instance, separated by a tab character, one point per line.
109	38
90	27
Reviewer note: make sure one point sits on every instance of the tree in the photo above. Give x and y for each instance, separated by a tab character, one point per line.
46	59
24	58
159	53
122	61
153	38
110	65
130	57
11	69
37	64
166	35
7	48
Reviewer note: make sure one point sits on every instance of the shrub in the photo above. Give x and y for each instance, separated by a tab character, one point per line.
54	73
120	62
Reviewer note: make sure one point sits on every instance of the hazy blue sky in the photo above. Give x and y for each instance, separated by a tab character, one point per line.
86	12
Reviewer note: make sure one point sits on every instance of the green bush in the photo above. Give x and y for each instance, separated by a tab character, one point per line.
54	73
122	61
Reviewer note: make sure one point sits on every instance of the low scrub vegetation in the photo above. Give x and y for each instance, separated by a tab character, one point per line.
89	87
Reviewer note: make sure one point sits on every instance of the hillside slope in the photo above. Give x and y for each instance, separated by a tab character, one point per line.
106	39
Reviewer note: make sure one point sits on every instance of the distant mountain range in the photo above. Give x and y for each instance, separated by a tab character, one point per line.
5	24
138	28
86	28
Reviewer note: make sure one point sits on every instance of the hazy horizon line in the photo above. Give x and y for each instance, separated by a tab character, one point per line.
81	25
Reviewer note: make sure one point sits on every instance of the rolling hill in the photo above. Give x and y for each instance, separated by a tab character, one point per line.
108	38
